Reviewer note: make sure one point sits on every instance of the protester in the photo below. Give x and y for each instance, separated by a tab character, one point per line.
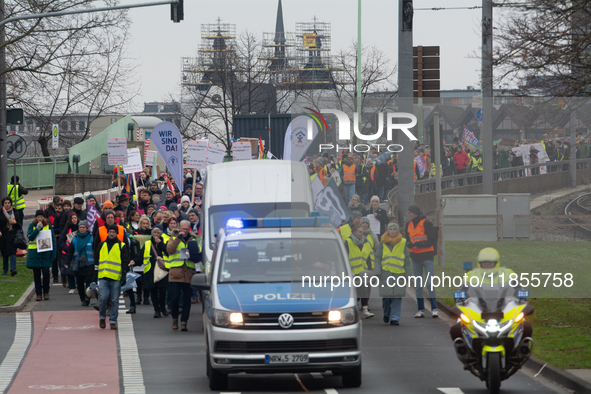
379	213
40	260
194	220
132	224
66	236
80	213
144	226
355	203
19	200
392	261
151	251
368	233
345	229
8	230
80	254
361	258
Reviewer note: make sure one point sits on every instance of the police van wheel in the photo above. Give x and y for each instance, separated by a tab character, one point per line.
352	378
217	380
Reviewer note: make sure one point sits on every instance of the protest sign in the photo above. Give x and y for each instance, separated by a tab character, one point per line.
197	154
215	153
134	161
117	151
241	150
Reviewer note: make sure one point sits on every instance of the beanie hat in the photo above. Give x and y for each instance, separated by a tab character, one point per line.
113	227
90	196
414	209
72	214
364	220
355	214
375	198
185	199
108	204
159	226
39	212
173	207
83	223
395	225
196	212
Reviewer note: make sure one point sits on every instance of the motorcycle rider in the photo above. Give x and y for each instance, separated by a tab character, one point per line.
489	263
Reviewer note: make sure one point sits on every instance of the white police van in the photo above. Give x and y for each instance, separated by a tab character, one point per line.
260	318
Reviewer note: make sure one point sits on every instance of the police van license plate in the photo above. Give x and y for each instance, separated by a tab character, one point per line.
286	358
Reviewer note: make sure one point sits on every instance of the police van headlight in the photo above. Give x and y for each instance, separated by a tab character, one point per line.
342	316
226	318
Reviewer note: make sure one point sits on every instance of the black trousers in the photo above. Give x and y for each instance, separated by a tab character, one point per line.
41	288
158	298
83	282
174	292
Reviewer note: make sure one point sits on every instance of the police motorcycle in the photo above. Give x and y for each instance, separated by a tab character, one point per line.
492	338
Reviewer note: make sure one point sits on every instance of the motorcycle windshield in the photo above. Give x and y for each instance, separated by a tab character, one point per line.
491	298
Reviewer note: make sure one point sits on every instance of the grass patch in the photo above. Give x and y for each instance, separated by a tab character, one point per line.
13	287
562	324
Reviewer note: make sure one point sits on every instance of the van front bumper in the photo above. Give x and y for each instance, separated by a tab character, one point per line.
235	350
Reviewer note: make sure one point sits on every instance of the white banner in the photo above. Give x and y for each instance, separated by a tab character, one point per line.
296	138
242	150
117	151
151	156
167	139
134	161
215	153
197	154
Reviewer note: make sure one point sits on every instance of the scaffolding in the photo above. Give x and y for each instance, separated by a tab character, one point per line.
279	51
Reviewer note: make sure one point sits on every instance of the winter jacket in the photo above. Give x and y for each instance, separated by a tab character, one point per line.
39	259
461	160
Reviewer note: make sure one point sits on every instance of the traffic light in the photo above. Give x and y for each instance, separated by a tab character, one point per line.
177	12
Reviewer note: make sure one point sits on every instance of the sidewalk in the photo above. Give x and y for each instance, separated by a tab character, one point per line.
31	200
539	201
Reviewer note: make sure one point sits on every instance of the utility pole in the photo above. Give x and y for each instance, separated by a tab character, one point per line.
406	187
487	96
358	77
3	136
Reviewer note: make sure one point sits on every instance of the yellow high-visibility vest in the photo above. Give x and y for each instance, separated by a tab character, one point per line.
110	262
33	242
358	258
175	259
20	201
393	261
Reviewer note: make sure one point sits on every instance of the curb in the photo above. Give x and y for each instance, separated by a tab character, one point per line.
563	378
20	304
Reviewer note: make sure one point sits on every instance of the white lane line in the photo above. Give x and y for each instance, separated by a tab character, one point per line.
316	375
16	354
450	390
331	391
133	378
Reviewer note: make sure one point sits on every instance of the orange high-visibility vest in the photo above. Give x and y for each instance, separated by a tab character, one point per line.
349	173
372	173
103	232
417	234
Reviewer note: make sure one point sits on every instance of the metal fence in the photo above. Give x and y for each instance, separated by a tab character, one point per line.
35	173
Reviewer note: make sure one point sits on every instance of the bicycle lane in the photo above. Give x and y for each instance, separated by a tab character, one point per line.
69	351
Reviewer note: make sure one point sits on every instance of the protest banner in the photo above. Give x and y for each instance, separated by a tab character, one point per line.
330	203
296	138
470	141
167	139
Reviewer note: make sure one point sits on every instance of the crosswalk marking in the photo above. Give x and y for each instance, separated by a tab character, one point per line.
450	390
331	391
16	354
133	378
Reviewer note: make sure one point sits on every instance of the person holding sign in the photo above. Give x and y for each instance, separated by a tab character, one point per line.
41	252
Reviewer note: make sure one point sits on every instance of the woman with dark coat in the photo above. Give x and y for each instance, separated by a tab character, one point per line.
40	262
379	213
8	229
70	230
156	247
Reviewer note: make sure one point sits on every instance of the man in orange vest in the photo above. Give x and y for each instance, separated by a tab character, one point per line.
348	176
420	234
101	232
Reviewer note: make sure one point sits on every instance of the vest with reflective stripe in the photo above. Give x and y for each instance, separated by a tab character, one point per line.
345	231
20	201
393	261
88	247
33	243
357	257
476	163
312	177
372	173
147	251
418	235
103	232
165	257
175	259
349	173
110	262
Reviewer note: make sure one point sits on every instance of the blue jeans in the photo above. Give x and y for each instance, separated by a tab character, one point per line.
109	289
12	259
71	282
392	308
418	269
349	192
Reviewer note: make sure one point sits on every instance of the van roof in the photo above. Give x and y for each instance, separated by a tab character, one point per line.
287	233
258	181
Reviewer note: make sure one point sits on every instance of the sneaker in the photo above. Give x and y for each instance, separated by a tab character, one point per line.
102	323
73	291
13	273
386	319
38	298
394	323
366	313
419	314
435	313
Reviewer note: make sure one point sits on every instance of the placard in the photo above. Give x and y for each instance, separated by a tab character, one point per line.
215	153
196	154
44	241
242	150
151	158
134	161
117	151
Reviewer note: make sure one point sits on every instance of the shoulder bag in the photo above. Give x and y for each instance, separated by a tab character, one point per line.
160	270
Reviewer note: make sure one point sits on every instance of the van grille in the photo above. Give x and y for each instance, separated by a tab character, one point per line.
330	345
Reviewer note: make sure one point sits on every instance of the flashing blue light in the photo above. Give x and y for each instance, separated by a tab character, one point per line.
460	295
234	223
523	293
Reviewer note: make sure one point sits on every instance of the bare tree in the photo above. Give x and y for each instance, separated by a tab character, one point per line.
545	46
67	66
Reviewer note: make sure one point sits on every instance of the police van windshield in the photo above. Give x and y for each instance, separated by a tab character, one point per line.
279	260
219	215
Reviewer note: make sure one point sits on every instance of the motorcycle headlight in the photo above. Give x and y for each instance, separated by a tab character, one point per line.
343	316
226	318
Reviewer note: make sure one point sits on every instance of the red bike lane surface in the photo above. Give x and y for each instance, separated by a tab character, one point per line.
69	352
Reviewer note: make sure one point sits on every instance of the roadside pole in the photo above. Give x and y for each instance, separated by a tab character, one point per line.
14	186
53	157
193	191
487	97
439	209
573	148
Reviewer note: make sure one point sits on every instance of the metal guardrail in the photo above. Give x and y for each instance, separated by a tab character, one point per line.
515	224
35	172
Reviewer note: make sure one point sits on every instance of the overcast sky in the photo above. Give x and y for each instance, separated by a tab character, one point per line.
157	44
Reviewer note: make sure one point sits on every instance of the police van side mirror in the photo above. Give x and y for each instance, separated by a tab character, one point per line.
199	282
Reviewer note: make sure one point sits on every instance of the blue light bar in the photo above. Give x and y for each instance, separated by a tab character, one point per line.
234	223
237	223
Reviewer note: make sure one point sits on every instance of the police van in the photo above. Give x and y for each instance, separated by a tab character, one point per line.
263	311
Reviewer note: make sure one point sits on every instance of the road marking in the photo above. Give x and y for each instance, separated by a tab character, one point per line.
133	378
14	357
450	390
70	387
317	375
331	391
87	327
